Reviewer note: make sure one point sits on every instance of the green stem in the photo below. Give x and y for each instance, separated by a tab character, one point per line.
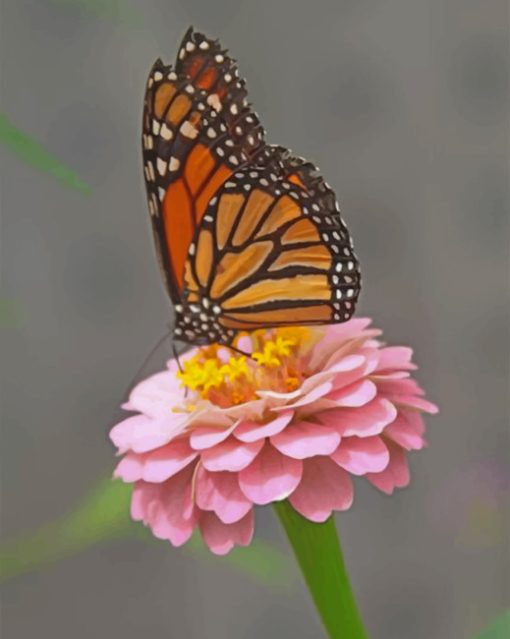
318	552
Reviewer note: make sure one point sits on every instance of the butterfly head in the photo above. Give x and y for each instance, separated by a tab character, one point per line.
197	324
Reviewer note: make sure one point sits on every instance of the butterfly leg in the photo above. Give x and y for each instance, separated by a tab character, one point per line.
176	356
228	344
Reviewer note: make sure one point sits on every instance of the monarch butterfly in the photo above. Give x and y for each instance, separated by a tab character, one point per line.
247	236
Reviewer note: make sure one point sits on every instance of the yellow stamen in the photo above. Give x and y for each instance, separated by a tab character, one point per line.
237	380
292	383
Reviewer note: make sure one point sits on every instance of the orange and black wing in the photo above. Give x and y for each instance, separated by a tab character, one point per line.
198	129
273	250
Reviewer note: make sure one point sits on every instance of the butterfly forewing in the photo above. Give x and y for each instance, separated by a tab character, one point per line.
197	130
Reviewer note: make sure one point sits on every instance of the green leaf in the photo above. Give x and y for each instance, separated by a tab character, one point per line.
104	516
35	155
498	629
116	10
318	553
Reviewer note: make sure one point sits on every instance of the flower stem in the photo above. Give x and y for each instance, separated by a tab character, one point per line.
318	552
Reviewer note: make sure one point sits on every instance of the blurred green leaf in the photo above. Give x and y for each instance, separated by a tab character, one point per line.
104	516
11	315
117	10
499	628
34	154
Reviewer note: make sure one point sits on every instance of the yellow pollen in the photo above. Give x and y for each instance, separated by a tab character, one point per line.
237	397
292	383
236	368
208	376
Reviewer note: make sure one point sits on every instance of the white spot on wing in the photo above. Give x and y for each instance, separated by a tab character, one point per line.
188	130
166	132
174	164
214	101
161	166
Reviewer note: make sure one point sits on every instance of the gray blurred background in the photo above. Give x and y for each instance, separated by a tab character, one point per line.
404	106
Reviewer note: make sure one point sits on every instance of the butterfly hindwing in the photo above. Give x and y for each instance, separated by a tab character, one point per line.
268	252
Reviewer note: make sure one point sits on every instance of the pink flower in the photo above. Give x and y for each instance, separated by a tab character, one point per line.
309	409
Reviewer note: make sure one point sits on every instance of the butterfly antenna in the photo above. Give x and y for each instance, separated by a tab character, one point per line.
146	360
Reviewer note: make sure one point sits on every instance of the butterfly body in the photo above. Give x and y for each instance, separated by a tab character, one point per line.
247	235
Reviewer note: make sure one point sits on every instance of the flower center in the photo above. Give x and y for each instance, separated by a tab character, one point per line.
277	362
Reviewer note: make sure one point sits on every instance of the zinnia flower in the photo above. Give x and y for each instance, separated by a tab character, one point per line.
309	409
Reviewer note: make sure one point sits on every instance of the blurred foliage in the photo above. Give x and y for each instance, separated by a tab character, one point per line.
104	516
32	153
498	629
118	10
11	315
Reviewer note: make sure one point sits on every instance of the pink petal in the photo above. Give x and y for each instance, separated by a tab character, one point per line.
362	363
220	537
346	364
207	415
320	379
224	354
166	508
396	474
208	436
362	455
407	430
319	391
156	395
370	419
220	493
357	394
306	439
418	403
347	368
244	344
270	477
230	455
395	387
395	358
130	467
156	466
141	433
253	410
142	496
337	336
252	431
324	487
165	462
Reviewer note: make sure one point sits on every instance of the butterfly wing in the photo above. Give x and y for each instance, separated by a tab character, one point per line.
198	128
273	250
